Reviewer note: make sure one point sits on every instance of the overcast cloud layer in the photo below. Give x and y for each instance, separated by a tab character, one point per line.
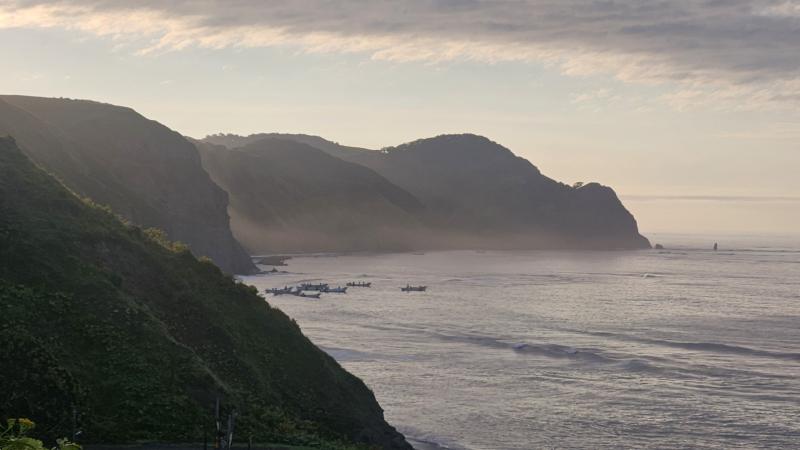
720	54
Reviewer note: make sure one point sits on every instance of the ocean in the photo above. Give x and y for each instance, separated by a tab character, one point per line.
677	348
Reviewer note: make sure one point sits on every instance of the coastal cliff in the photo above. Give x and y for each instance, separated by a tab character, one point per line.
289	196
476	193
144	171
140	337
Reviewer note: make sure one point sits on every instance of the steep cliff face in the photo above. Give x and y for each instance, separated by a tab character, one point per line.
287	196
599	215
473	184
144	171
478	193
141	337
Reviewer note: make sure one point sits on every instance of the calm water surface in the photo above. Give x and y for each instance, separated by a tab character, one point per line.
522	350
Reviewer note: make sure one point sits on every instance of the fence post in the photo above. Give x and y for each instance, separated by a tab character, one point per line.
74	423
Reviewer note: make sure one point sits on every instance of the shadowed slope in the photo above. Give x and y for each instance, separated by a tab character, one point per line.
141	337
475	184
479	194
146	172
288	196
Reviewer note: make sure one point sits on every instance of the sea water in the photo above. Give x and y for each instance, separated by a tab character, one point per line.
677	348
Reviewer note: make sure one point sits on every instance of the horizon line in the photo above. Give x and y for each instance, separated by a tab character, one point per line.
720	198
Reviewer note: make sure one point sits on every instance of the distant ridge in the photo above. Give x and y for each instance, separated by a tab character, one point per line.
303	193
144	171
477	193
289	196
330	147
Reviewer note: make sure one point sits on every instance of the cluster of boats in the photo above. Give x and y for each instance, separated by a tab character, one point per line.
303	289
322	287
309	290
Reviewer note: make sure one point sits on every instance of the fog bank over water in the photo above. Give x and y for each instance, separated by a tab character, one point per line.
767	216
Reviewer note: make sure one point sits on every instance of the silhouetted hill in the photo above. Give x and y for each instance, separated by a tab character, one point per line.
288	196
472	183
141	337
144	171
330	147
478	193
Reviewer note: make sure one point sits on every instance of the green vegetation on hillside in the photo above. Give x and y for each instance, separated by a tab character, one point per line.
146	172
140	336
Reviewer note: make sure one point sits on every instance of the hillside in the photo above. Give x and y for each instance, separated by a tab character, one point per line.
141	169
477	193
140	336
475	184
332	148
288	196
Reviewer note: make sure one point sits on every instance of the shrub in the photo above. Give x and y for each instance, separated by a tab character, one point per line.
15	437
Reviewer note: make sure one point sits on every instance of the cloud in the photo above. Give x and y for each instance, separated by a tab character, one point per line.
720	54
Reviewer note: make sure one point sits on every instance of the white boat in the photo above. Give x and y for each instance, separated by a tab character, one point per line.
336	290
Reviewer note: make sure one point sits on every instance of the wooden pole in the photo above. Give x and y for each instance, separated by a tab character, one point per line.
74	423
218	426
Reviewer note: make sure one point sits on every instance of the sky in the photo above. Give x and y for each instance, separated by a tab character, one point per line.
689	109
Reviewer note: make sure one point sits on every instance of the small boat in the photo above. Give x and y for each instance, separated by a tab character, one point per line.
359	284
280	291
304	295
409	288
335	290
314	287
